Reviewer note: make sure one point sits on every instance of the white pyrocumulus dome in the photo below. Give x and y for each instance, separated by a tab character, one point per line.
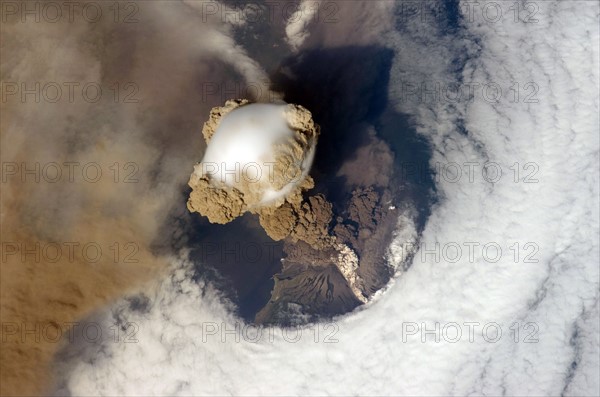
243	149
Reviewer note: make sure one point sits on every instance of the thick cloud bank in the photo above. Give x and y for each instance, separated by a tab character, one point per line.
502	293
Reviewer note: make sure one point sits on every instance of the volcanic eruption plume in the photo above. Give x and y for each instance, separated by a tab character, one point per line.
257	160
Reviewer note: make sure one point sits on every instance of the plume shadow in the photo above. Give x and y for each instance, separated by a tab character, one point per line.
346	88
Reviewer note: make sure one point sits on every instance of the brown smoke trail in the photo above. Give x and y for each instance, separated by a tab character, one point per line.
89	177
